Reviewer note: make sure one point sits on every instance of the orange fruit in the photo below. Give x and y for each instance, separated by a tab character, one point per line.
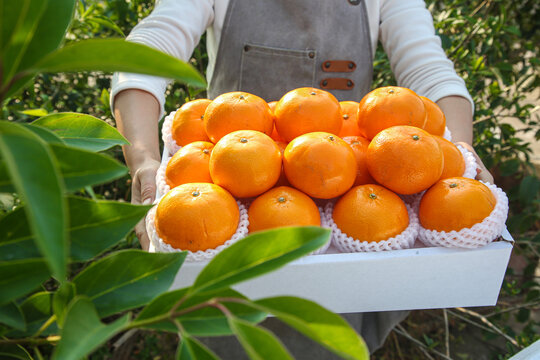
275	135
272	105
237	111
455	203
405	159
190	164
371	213
359	146
282	181
246	163
320	164
282	206
435	120
454	163
389	106
188	125
196	216
306	110
349	111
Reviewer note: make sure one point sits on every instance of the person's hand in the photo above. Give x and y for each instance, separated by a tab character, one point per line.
143	191
482	172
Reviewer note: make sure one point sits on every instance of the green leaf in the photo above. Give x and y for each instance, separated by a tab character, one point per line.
203	322
35	176
12	351
83	332
17	278
11	13
16	241
95	225
11	315
529	189
82	168
18	37
6	185
318	323
61	299
119	55
191	349
260	344
35	112
127	279
50	31
83	131
45	134
105	22
37	309
258	254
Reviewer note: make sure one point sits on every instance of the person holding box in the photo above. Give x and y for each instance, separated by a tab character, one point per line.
270	47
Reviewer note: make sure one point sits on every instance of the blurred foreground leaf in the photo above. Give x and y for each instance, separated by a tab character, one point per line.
258	254
83	332
127	279
83	131
118	55
319	324
34	174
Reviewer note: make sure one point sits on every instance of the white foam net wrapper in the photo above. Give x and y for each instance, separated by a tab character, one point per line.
479	234
166	133
347	244
161	246
161	183
327	225
447	134
470	163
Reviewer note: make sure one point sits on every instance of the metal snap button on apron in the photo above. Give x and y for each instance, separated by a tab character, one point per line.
354	2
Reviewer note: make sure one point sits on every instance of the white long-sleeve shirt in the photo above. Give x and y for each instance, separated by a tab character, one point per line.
405	29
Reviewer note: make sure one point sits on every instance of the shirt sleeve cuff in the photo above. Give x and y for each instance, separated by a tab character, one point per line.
152	84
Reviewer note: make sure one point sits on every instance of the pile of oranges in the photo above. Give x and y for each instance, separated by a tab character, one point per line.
286	158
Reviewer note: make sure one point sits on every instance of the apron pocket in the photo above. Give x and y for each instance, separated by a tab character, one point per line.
270	72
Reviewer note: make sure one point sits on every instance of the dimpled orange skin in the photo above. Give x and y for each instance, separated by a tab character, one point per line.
359	146
371	213
197	216
389	106
246	163
306	110
405	159
237	111
454	163
190	164
188	125
435	120
455	203
282	206
320	164
349	111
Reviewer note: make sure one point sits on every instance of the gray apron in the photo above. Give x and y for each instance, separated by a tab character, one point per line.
269	47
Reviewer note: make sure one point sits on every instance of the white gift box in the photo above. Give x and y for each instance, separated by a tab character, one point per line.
417	278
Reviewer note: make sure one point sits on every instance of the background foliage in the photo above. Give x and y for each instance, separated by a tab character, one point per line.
494	46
